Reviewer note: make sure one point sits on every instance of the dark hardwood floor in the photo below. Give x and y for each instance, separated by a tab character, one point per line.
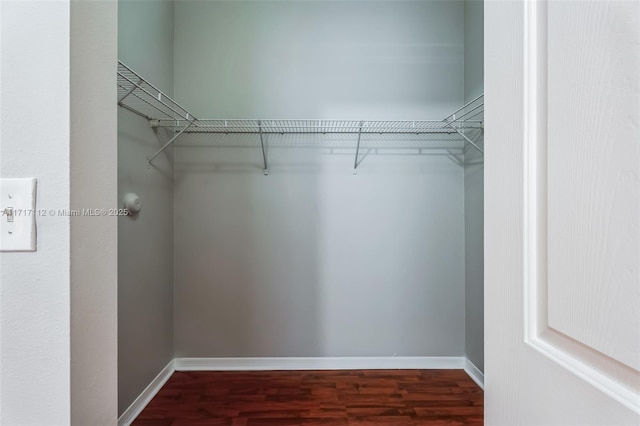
330	398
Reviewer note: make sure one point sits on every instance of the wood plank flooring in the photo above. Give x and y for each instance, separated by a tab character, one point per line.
328	398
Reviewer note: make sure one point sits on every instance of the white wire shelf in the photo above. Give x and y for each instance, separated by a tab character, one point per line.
321	126
141	97
470	112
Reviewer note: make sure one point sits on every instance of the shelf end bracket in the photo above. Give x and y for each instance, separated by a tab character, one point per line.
465	137
130	91
473	144
264	155
355	162
171	141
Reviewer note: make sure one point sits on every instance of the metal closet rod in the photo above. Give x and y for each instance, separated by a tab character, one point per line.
143	98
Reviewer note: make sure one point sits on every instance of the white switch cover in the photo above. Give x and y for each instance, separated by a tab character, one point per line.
18	214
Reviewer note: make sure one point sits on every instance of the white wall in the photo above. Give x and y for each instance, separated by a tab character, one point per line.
311	260
145	242
474	188
35	293
94	258
53	372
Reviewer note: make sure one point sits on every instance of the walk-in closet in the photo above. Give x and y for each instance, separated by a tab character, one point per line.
305	186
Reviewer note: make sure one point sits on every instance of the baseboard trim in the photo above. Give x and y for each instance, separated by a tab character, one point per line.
293	363
317	363
146	396
474	372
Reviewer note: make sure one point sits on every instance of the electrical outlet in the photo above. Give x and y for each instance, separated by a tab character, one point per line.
18	214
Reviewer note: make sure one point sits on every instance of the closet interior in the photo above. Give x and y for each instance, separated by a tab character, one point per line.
311	183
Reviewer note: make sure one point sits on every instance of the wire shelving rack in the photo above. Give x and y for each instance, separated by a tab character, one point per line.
139	96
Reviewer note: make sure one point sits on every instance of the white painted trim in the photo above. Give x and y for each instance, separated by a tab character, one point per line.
591	365
146	396
474	372
318	363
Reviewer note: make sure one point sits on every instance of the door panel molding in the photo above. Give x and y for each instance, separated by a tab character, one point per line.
611	376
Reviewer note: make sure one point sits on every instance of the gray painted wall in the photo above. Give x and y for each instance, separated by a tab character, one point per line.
474	188
94	250
145	243
318	59
311	260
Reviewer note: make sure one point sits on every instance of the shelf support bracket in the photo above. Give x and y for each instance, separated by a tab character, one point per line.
355	162
466	138
134	87
264	155
473	144
171	141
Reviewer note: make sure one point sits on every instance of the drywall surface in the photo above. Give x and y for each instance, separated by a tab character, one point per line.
35	290
473	49
317	59
145	40
474	188
94	256
312	260
145	242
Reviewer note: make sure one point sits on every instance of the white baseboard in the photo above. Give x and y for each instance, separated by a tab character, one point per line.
317	363
146	396
474	372
302	363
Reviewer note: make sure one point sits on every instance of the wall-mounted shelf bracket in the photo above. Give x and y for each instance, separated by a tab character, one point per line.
472	110
264	154
355	162
144	99
472	143
171	141
133	87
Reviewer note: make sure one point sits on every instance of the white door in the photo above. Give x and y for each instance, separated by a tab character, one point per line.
562	212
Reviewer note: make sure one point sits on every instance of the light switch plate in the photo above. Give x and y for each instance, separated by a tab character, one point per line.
18	214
